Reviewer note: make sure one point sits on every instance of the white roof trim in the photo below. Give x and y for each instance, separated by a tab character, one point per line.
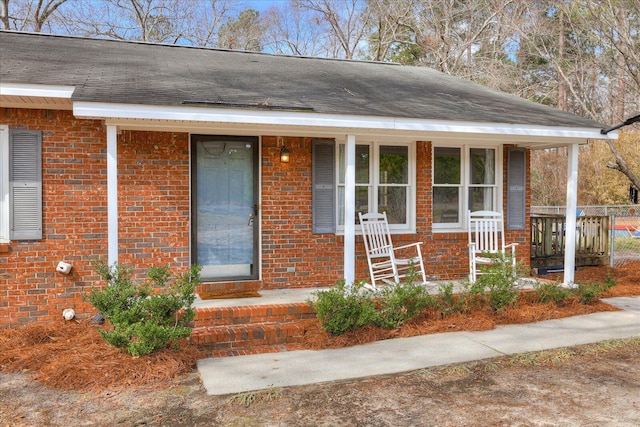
44	91
305	119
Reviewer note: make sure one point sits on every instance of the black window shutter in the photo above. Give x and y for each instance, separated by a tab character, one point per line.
516	188
25	184
324	186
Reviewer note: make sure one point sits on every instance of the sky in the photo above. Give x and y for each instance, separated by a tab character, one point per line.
262	5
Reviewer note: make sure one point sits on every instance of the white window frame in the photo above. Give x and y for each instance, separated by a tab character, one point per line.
4	184
374	185
465	184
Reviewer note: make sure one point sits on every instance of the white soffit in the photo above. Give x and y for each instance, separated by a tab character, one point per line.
13	95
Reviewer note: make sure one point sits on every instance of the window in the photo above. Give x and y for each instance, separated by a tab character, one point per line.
4	184
464	178
20	184
385	176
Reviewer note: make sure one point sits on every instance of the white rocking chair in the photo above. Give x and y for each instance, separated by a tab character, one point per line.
486	241
384	263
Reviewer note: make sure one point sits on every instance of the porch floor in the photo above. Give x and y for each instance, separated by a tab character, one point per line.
299	295
268	297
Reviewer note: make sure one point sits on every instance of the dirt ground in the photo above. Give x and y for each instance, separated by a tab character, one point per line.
597	384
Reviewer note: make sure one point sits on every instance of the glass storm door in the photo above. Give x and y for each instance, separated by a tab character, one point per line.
225	206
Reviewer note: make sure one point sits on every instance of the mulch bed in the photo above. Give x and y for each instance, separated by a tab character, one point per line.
431	321
72	355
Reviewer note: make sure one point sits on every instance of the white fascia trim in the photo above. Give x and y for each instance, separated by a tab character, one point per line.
45	91
303	119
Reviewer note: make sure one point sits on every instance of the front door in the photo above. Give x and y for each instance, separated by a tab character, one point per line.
225	206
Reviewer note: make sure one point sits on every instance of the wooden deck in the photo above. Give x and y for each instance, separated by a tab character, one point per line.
548	240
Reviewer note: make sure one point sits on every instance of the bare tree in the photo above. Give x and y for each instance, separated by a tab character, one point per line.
347	20
292	31
390	24
203	24
144	20
28	15
246	32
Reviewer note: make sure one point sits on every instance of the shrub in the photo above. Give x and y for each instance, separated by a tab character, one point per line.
446	300
142	319
498	282
588	293
343	307
400	303
550	292
609	282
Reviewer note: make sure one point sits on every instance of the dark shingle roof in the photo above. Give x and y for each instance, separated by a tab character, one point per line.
139	73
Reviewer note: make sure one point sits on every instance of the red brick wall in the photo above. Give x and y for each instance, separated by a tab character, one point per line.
74	220
154	216
287	240
153	200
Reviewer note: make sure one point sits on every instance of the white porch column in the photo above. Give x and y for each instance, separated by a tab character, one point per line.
570	216
350	211
112	194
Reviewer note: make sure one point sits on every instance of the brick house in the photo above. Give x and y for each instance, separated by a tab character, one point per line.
147	154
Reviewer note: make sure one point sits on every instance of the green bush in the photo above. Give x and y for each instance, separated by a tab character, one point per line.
588	293
344	308
142	319
446	300
400	303
550	292
498	283
609	282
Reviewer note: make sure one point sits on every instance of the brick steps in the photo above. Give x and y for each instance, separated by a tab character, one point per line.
248	314
251	329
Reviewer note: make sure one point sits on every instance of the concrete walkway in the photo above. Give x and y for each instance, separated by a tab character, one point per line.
232	375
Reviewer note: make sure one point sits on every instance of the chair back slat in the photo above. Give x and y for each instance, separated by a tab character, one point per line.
375	230
384	266
486	230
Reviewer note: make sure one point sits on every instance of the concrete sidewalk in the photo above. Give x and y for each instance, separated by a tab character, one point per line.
230	375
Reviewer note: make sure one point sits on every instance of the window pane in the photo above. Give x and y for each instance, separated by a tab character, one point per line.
362	163
393	201
362	202
341	163
446	207
394	165
483	166
446	165
481	199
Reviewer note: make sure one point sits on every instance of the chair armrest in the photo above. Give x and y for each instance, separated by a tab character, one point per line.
408	246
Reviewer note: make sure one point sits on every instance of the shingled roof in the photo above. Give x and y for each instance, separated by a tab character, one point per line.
108	71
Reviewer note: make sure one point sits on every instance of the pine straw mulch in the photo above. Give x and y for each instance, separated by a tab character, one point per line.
72	355
431	321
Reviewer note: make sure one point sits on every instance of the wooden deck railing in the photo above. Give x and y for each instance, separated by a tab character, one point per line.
548	240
